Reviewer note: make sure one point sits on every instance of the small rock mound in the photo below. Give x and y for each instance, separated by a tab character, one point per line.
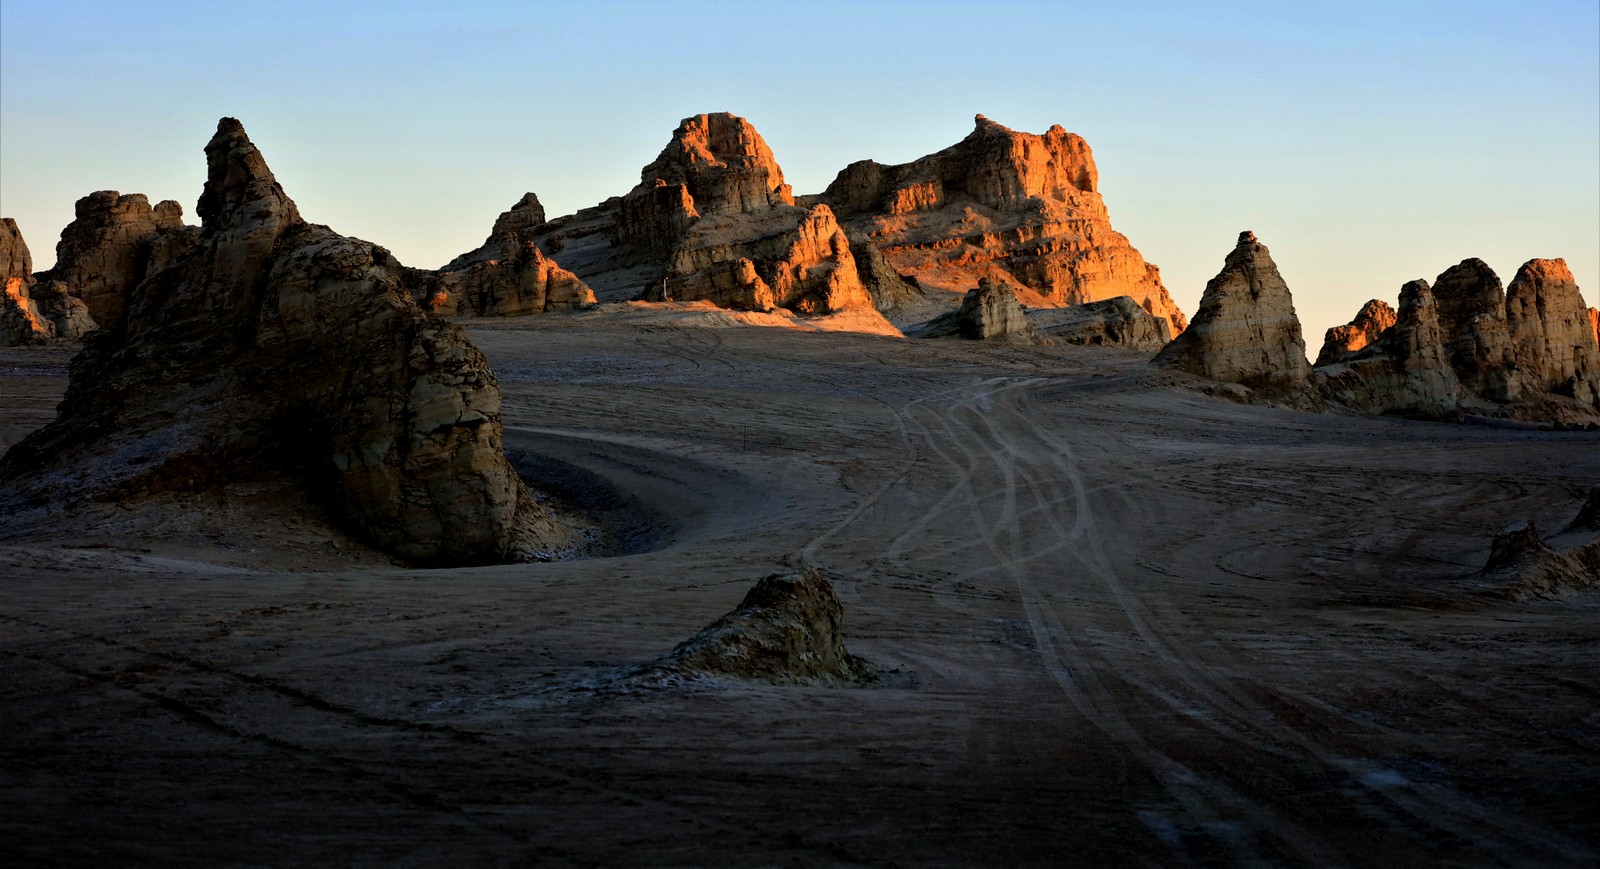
786	632
1115	322
1522	566
989	312
1588	518
1246	330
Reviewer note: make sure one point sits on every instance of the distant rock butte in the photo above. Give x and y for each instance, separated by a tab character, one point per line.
1115	322
508	276
21	321
1374	317
989	312
1552	337
1472	313
1405	371
115	241
278	353
1018	208
1245	330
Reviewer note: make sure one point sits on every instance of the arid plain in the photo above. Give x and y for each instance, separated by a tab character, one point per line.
1124	623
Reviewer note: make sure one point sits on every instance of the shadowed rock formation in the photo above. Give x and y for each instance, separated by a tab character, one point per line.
1588	518
786	631
21	321
508	276
1340	341
1018	208
67	313
1245	330
114	242
1521	565
1405	371
279	353
989	312
1552	338
1472	314
1117	322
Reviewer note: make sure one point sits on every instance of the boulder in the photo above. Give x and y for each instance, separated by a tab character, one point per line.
1552	337
1246	330
1114	322
786	631
280	352
1340	341
1016	207
988	312
21	321
1405	371
115	241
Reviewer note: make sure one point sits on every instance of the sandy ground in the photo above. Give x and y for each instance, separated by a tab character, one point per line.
1133	626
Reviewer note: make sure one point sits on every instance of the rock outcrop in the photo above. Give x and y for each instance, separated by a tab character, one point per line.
1552	338
712	219
1015	207
1405	371
508	276
21	321
1246	330
1116	322
114	242
1472	313
277	352
1522	566
1588	518
66	313
1370	322
988	312
786	631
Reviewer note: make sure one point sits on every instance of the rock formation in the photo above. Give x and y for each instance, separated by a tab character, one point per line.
277	352
712	219
1340	341
1588	518
1015	207
1115	322
1521	565
1472	314
786	631
989	312
508	276
1245	330
114	242
1552	338
21	321
66	313
1405	371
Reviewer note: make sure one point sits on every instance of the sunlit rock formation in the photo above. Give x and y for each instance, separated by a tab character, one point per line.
787	631
1246	330
988	312
1405	371
508	276
278	353
1340	341
1552	337
1018	208
114	242
1115	322
21	321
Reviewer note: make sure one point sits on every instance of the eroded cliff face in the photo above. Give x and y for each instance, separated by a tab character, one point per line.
21	321
712	219
508	276
115	241
1014	207
1406	370
1370	322
1246	330
1552	337
275	350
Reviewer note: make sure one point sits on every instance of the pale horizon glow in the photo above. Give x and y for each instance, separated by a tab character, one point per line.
1365	144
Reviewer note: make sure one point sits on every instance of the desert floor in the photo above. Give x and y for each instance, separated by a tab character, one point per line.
1131	625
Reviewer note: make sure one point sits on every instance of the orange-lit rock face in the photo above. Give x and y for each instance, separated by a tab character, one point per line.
1340	341
1020	208
723	163
1551	331
20	319
508	276
115	241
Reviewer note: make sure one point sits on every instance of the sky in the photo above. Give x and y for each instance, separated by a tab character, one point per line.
1365	143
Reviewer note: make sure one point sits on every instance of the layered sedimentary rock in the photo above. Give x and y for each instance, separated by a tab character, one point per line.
1340	341
1406	370
114	242
1472	314
1246	330
277	351
712	219
1015	207
21	320
787	630
890	290
988	312
508	276
1552	337
1116	322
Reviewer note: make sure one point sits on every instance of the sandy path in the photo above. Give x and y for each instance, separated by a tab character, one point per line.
1134	625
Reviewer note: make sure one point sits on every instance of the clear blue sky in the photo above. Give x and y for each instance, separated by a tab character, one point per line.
1366	143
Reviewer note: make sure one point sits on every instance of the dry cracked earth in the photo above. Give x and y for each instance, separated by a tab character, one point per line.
1128	624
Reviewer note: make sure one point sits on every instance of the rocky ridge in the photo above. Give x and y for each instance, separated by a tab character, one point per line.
1017	208
281	356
